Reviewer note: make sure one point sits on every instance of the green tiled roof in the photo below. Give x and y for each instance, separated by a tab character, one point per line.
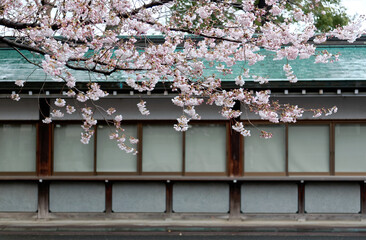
351	66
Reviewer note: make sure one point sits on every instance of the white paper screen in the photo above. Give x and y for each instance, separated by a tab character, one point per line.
265	155
308	148
162	149
110	158
206	148
70	155
18	145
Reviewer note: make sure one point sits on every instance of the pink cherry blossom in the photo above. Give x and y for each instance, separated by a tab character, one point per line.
111	110
70	109
118	118
239	127
47	120
59	102
15	97
19	83
142	108
56	113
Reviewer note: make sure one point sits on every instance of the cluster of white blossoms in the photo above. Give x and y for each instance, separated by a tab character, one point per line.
326	57
182	124
88	124
91	42
239	127
142	108
56	113
60	102
266	135
15	96
70	109
319	112
111	110
120	137
289	73
20	83
191	111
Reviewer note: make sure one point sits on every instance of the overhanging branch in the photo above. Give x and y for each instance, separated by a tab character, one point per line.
16	44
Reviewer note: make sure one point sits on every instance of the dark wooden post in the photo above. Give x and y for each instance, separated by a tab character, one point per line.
235	168
363	197
235	165
235	205
43	199
169	198
44	147
108	197
301	197
332	149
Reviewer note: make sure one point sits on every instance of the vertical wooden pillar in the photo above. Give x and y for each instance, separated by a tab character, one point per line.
44	145
235	168
169	199
332	149
139	149
286	154
235	206
363	197
43	199
301	197
44	149
235	165
108	197
184	153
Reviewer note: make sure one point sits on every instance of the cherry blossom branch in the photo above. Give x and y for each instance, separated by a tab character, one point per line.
31	62
105	72
17	25
144	6
22	46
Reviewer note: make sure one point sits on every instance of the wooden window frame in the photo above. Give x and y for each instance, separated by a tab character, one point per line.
279	174
139	147
138	157
55	173
36	124
184	172
312	123
330	124
141	125
227	150
334	150
234	168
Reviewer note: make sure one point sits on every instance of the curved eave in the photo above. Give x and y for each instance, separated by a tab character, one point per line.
325	88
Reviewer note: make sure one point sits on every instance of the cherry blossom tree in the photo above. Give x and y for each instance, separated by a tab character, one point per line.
84	35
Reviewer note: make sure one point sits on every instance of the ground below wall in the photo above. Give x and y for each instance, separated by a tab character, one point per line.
97	226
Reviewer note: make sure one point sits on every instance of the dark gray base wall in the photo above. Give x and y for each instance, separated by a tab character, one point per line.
176	199
76	197
18	197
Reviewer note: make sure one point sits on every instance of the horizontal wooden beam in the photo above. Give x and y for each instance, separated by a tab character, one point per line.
186	178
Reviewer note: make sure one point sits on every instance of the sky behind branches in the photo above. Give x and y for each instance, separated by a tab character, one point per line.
355	7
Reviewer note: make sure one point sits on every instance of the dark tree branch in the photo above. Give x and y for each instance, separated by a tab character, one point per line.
145	6
195	33
104	72
16	25
204	35
22	46
16	49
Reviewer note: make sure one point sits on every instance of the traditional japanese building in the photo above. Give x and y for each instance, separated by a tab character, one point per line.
314	169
